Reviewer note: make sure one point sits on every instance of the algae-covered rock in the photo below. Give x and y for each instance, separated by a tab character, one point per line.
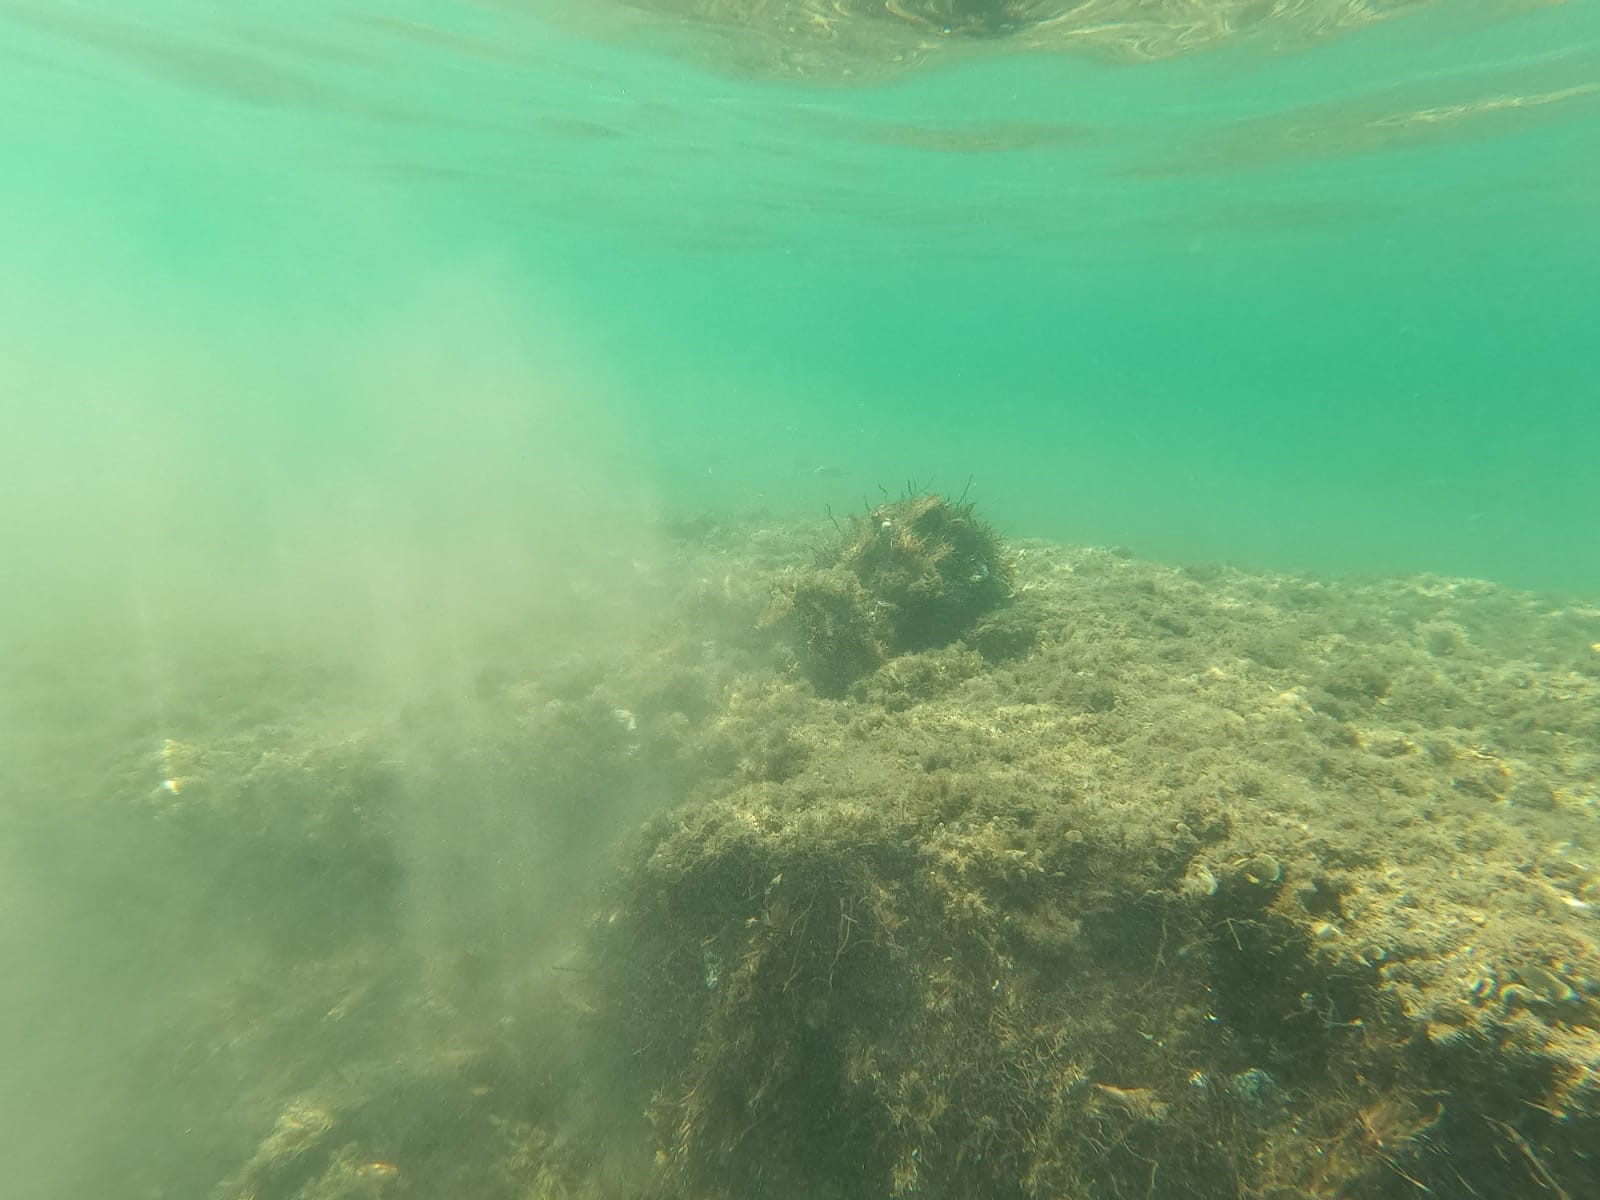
837	627
1128	917
910	575
931	566
1142	886
838	995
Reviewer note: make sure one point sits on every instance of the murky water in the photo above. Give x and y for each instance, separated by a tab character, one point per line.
354	358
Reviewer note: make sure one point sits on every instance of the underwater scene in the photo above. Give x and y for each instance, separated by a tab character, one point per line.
800	600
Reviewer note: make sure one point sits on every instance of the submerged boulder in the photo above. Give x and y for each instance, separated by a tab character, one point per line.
906	576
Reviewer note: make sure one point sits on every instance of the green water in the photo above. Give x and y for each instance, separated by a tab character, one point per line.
375	331
1328	305
354	352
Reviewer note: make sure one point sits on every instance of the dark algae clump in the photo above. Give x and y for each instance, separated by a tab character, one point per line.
911	575
931	566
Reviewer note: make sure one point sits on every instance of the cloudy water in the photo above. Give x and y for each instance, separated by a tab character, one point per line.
361	364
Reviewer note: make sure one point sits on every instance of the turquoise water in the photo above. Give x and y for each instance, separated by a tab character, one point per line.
1323	305
376	332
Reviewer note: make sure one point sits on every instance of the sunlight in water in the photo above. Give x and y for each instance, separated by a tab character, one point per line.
866	39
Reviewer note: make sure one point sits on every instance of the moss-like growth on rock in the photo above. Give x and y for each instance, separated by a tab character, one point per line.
1187	899
934	566
838	998
835	624
910	575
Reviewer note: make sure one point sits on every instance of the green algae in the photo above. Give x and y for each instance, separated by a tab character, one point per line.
1171	896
